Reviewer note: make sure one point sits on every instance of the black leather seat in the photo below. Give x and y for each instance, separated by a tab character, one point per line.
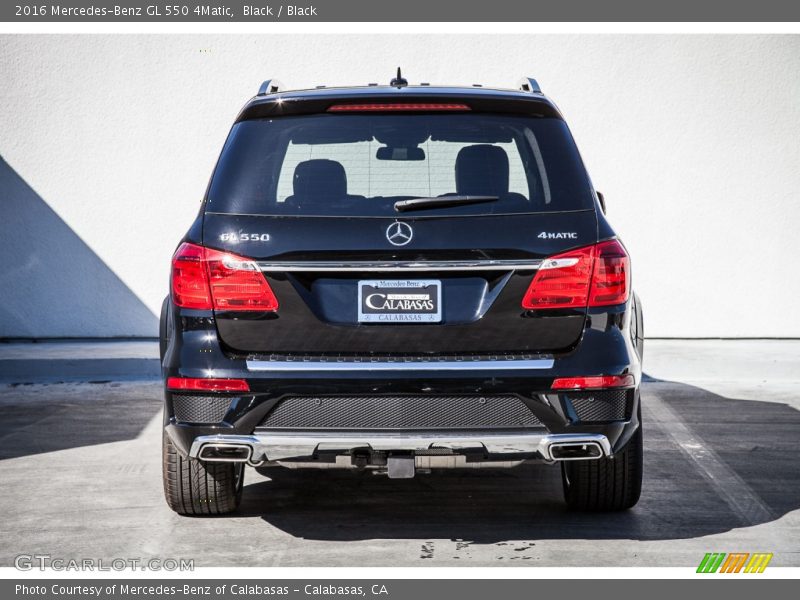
319	182
482	170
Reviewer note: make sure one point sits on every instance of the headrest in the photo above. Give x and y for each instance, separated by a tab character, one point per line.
482	170
319	177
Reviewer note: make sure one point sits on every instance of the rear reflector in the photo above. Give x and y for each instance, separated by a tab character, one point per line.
206	279
593	383
398	107
597	275
213	385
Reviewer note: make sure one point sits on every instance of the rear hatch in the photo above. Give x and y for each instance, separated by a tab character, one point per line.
315	266
317	202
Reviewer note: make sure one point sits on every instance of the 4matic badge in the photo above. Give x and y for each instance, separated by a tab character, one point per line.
558	235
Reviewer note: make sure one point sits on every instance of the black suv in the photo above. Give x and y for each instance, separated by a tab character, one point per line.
401	278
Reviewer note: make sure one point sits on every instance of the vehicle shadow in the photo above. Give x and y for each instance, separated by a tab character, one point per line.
754	439
49	418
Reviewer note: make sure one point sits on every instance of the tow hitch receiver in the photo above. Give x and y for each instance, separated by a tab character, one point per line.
400	467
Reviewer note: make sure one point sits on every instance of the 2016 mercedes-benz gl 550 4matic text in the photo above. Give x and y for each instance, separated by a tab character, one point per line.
401	278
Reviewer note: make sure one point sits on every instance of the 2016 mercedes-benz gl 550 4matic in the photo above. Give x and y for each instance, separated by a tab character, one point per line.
399	279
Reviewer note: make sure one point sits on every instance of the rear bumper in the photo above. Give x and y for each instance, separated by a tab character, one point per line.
278	446
605	348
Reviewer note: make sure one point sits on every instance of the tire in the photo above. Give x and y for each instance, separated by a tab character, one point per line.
194	487
606	484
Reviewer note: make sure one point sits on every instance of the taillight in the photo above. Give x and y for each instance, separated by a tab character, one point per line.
203	279
211	385
594	382
611	282
190	278
562	281
237	283
597	275
399	107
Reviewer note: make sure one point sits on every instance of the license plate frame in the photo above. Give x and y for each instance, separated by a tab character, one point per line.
409	300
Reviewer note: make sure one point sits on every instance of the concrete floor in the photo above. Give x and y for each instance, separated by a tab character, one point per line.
81	475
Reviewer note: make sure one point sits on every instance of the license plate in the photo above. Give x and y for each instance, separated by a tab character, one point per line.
399	301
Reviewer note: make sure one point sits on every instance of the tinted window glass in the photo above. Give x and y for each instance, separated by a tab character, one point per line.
360	165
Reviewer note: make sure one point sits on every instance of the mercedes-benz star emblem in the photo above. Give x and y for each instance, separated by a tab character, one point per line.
399	234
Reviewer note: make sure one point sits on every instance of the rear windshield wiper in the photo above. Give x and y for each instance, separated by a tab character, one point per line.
440	202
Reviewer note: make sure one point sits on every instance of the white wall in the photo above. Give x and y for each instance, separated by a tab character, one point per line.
695	141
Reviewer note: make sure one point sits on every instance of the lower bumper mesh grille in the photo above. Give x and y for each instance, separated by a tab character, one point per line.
200	409
401	412
602	405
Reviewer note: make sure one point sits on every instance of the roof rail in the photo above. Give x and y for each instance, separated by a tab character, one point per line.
529	84
270	86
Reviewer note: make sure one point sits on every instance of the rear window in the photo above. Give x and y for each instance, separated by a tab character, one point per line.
361	164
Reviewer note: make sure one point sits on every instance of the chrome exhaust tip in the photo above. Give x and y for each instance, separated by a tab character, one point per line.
225	452
578	450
